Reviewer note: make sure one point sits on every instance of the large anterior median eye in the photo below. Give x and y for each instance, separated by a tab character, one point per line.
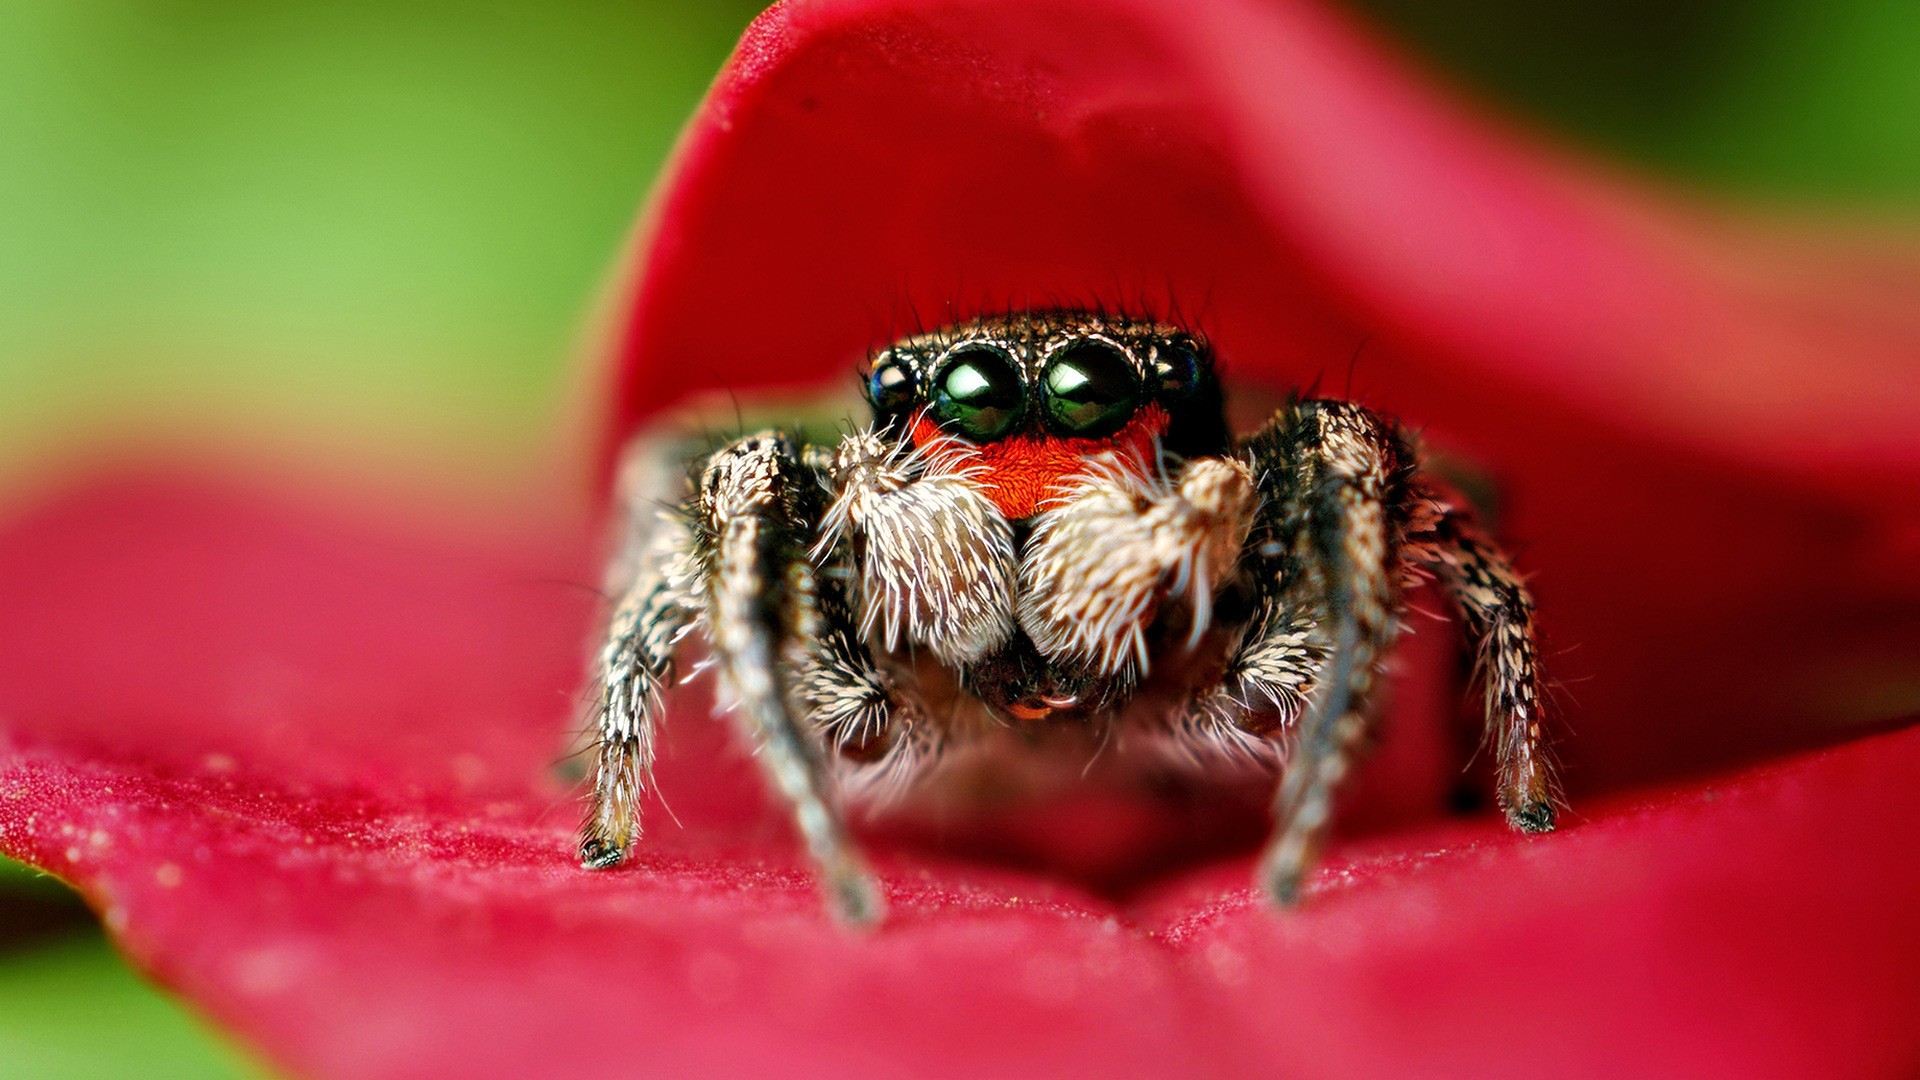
978	392
1092	390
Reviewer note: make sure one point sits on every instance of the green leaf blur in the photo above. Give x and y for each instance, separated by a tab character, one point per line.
321	224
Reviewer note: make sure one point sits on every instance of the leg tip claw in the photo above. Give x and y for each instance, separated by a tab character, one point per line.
855	898
1283	882
1533	817
1284	891
598	854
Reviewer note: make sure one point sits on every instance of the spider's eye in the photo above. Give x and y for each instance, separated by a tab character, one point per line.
1092	390
978	392
1176	370
889	386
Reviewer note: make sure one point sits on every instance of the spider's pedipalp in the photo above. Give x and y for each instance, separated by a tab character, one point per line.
1106	554
934	556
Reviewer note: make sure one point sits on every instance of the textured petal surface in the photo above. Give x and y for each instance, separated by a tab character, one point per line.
364	871
300	756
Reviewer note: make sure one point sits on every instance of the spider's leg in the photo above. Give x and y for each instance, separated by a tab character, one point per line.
1498	612
653	574
1338	471
1268	676
849	701
881	735
757	512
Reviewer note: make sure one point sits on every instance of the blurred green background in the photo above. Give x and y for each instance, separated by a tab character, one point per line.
377	229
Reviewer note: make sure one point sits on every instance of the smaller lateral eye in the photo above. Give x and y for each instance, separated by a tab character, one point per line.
1176	370
978	392
889	386
1092	390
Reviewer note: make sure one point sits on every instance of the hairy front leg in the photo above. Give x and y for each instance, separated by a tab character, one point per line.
757	514
1336	474
1498	612
654	575
851	704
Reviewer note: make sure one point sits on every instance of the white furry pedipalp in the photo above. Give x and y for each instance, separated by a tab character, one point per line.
1103	557
934	556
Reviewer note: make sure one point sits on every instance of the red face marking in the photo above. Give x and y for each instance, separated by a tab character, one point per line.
1023	471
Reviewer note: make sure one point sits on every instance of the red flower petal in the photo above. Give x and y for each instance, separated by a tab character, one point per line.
429	920
1703	434
300	760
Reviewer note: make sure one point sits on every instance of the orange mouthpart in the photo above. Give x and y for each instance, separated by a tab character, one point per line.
1021	472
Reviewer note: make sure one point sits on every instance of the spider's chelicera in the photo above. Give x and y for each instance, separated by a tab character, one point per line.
1048	526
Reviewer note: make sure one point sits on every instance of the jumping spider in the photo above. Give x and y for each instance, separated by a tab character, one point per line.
1048	525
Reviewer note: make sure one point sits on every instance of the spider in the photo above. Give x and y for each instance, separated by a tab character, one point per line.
1048	526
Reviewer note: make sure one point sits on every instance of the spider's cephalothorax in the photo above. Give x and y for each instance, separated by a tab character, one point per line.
1048	528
